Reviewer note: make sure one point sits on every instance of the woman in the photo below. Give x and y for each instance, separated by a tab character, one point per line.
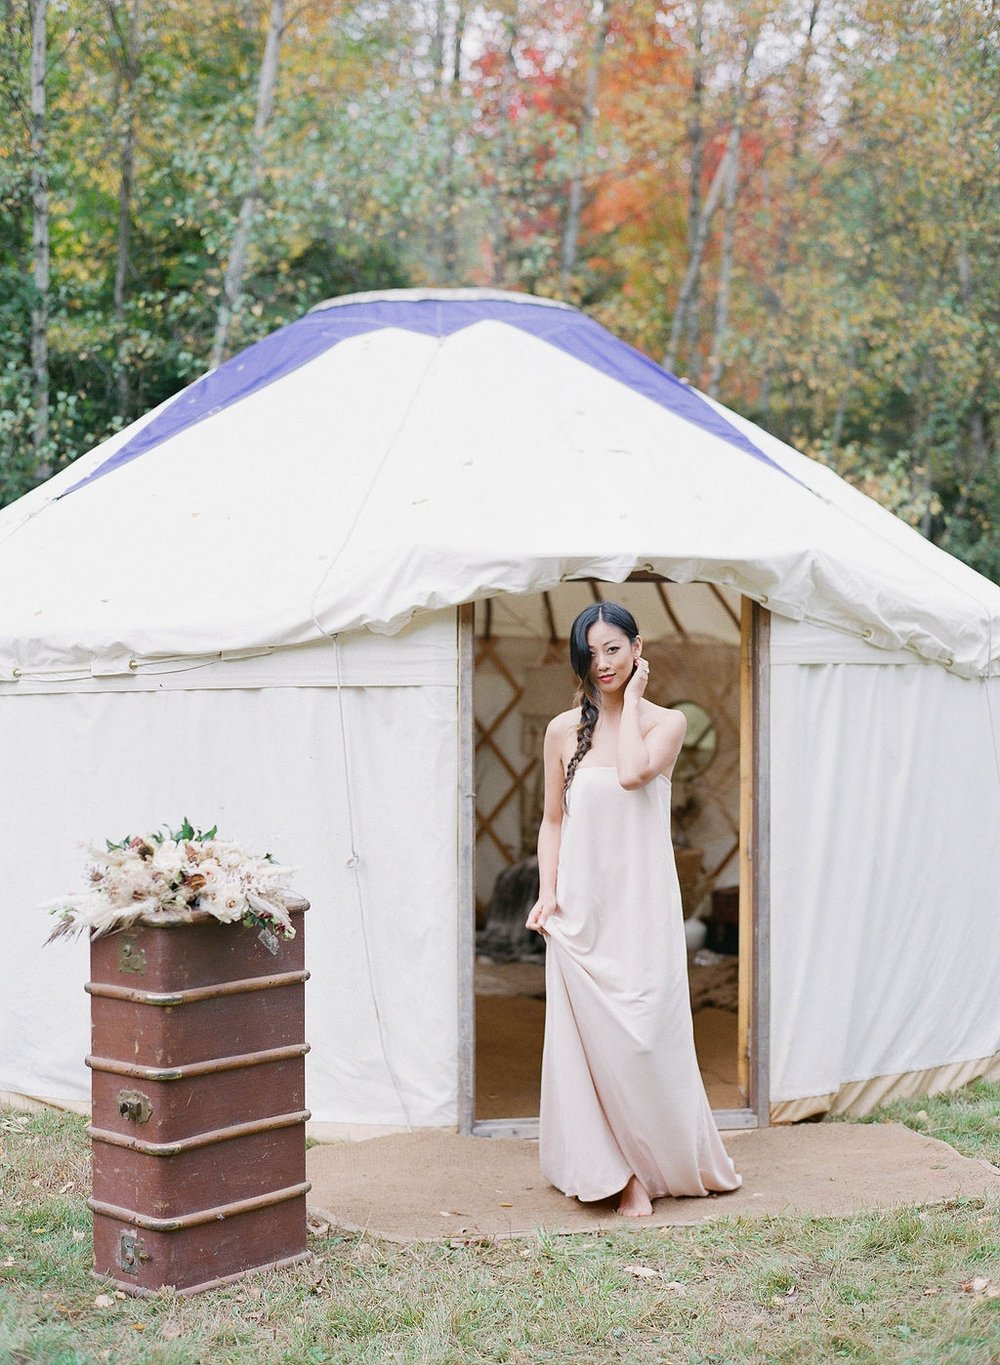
623	1107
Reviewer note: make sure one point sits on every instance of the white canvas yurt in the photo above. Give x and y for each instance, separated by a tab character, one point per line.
288	603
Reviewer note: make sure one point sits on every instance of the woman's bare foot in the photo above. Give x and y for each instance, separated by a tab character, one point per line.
633	1202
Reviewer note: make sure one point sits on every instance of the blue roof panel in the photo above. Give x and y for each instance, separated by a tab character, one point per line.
299	342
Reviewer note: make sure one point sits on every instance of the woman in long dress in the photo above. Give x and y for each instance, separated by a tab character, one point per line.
623	1107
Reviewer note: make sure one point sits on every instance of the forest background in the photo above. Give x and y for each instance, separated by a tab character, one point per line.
792	203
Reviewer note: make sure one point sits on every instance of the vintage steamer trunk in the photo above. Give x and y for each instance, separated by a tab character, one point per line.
198	1070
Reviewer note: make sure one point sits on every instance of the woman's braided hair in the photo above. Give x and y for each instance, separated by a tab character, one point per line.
586	695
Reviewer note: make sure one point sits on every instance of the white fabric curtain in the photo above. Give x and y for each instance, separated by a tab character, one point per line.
885	864
266	765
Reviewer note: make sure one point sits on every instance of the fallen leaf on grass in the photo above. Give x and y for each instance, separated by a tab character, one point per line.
981	1285
317	1227
677	1287
78	1236
8	1262
976	1285
930	1291
171	1330
103	1301
641	1272
67	1187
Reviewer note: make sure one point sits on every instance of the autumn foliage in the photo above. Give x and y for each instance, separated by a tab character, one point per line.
794	204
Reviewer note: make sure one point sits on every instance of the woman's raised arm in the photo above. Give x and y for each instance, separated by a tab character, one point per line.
641	757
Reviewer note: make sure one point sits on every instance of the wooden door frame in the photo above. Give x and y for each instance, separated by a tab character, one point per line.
753	1028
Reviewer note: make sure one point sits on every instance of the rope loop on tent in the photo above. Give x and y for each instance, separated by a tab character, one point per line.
354	863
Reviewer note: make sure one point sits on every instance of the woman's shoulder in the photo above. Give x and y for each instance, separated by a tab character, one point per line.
565	721
667	716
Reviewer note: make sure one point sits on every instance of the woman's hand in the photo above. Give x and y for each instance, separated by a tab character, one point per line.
540	912
635	688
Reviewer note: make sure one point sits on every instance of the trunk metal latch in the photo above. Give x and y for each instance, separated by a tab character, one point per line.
134	1105
130	957
131	1252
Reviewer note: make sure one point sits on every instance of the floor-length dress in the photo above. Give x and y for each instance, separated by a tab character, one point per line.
621	1089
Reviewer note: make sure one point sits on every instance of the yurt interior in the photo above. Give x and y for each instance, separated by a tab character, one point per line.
692	637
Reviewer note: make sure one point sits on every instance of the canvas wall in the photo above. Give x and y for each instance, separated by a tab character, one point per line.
885	869
265	763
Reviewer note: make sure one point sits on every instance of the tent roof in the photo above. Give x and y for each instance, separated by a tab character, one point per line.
388	453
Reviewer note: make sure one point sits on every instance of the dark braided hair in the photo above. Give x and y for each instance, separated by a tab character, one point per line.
579	656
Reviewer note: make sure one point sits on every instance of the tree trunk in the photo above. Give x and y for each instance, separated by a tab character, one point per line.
977	425
232	286
129	42
437	43
452	78
720	179
508	76
725	272
840	413
774	292
697	248
574	207
696	140
39	237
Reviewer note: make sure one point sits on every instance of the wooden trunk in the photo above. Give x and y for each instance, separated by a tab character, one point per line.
198	1128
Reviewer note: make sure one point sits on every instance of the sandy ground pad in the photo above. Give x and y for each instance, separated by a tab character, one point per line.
429	1184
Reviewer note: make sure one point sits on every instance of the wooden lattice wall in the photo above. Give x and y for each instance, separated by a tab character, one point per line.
521	683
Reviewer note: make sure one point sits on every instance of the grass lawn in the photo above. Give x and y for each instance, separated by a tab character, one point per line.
908	1286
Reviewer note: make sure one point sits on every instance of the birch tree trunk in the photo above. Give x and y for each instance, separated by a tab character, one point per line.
232	285
129	43
697	248
438	40
719	181
39	237
508	77
574	207
725	271
774	293
451	75
696	142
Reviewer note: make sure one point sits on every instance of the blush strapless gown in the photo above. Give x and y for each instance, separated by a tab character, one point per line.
621	1089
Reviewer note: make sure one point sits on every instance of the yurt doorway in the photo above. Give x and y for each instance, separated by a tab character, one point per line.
703	644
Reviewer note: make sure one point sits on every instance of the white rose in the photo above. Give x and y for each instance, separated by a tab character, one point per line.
226	902
212	873
230	856
168	859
